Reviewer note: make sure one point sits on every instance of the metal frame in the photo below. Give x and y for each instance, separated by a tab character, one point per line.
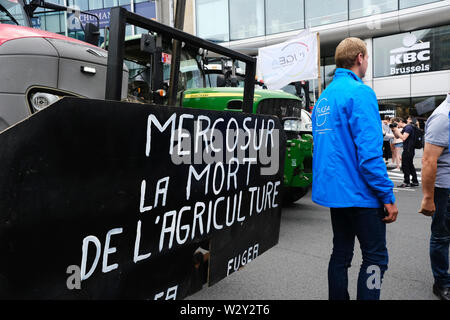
120	17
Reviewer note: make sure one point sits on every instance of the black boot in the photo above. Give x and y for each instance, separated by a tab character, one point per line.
442	293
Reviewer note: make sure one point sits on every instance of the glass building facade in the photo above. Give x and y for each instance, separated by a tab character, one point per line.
419	107
408	57
230	20
404	54
60	22
407	54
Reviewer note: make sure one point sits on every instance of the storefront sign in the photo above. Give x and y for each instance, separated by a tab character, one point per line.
411	52
412	57
387	112
77	19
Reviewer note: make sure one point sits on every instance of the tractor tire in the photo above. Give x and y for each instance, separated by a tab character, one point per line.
293	194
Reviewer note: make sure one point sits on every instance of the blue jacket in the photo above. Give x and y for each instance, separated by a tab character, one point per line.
348	166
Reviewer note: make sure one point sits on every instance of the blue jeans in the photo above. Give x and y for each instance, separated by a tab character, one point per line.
367	226
440	239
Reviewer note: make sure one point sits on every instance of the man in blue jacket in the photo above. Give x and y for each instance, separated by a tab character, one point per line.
349	174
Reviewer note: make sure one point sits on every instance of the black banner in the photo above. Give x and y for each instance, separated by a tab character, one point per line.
111	200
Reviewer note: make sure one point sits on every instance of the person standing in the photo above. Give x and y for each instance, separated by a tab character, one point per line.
435	187
349	174
387	135
398	147
407	135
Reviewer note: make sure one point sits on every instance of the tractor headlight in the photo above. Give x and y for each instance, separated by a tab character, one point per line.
41	100
292	125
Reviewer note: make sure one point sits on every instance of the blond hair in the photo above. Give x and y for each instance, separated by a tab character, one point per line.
347	51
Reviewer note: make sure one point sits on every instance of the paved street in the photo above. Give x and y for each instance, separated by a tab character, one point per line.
297	267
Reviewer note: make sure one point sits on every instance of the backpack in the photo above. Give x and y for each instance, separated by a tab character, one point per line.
418	138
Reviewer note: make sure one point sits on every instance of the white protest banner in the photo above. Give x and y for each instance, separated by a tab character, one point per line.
292	60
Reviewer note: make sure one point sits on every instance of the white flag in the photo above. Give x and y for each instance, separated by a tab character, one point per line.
290	61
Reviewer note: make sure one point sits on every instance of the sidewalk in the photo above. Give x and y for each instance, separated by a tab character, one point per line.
417	161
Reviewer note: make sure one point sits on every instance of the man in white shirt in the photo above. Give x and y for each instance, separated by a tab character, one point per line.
435	186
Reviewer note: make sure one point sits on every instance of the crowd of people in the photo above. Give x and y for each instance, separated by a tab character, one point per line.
392	147
399	138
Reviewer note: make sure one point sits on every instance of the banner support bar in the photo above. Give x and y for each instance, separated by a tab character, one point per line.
319	84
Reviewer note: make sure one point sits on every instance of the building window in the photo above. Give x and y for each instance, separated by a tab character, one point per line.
413	3
63	22
128	30
419	107
60	2
213	24
95	4
325	12
82	4
329	69
412	52
359	9
77	35
441	49
16	10
110	3
395	107
53	23
147	9
423	107
284	15
39	21
246	19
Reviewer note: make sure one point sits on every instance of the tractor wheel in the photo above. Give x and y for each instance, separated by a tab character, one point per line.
292	194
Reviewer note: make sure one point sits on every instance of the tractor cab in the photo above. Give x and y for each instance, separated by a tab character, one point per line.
143	75
216	83
13	12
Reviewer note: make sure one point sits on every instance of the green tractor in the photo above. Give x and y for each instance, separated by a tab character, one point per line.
149	82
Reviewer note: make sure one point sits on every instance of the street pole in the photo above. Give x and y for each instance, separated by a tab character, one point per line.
319	85
66	32
176	54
